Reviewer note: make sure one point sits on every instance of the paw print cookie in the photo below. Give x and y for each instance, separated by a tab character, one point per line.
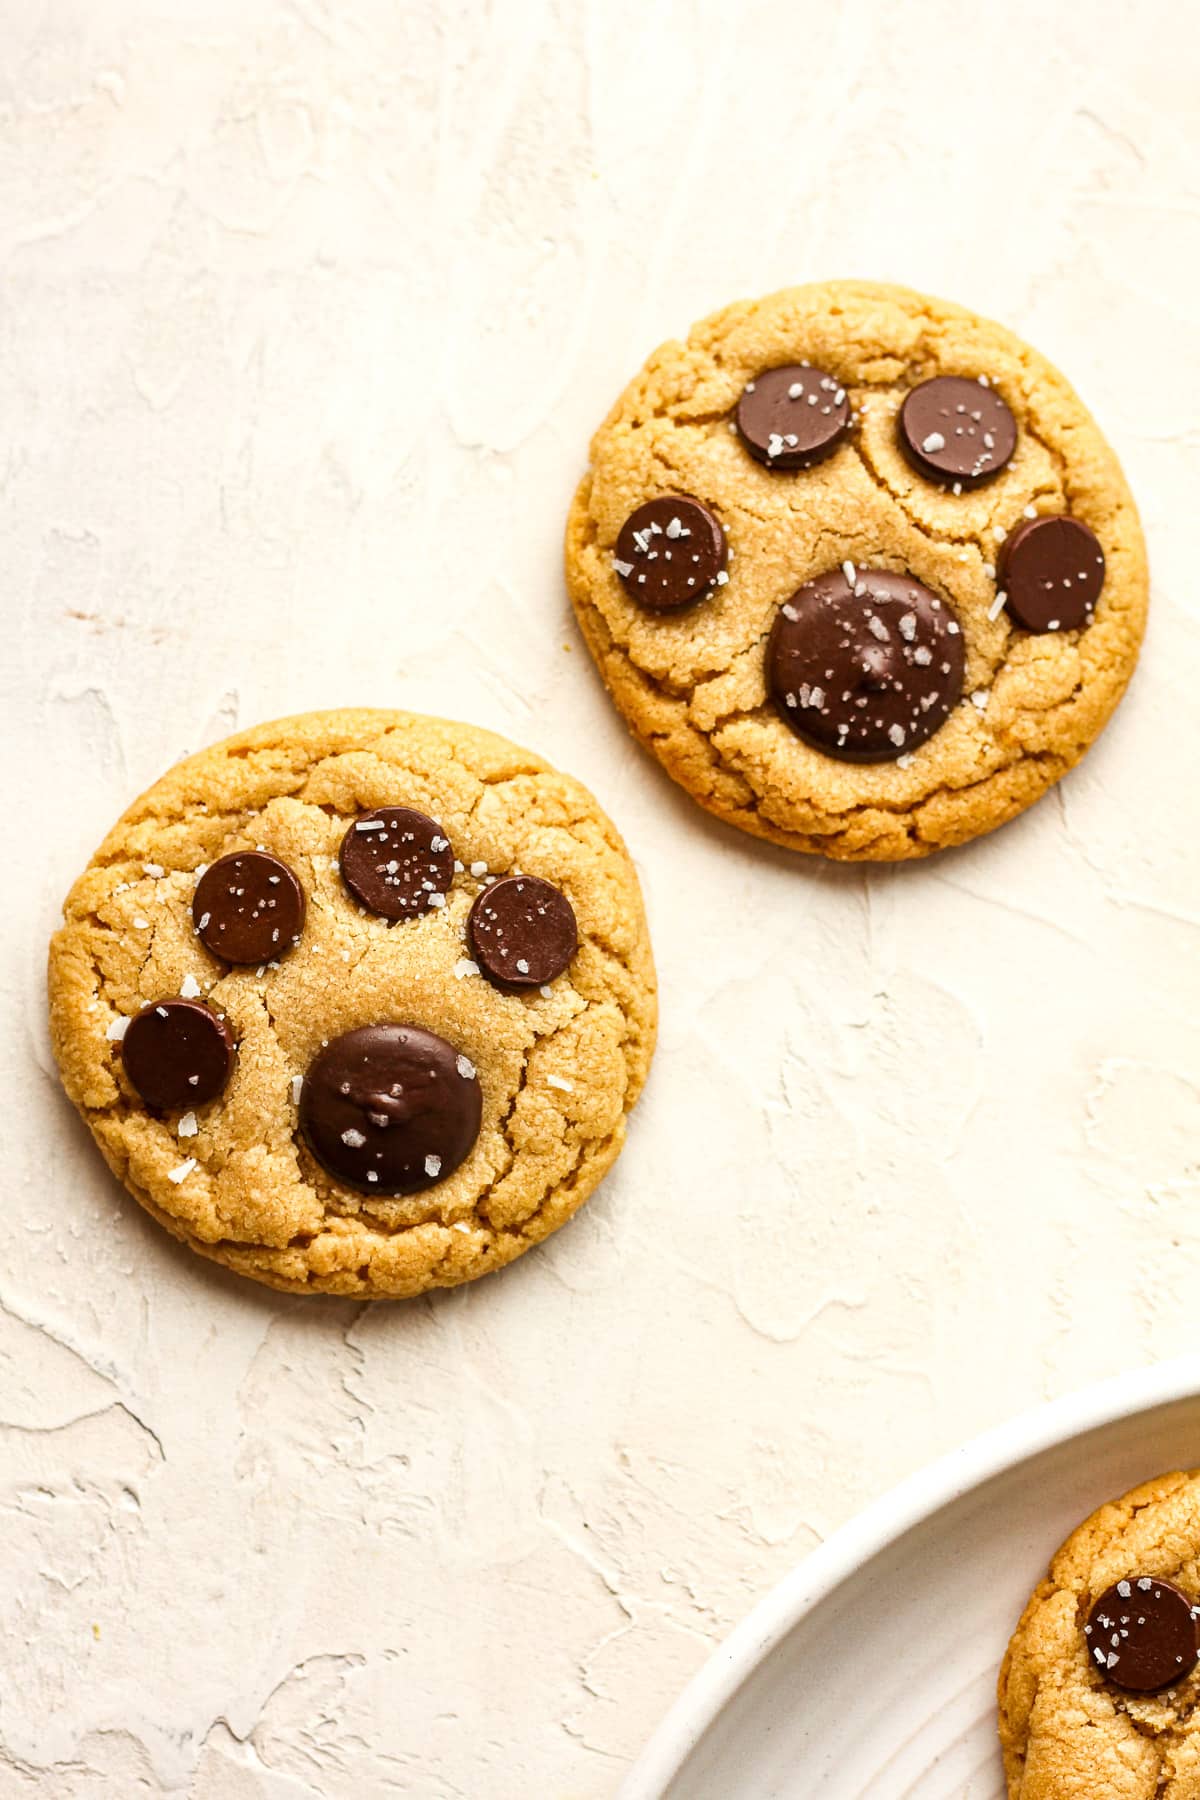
1100	1687
357	1002
859	568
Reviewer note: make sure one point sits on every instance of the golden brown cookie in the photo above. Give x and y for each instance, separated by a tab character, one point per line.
801	438
493	1094
1090	1705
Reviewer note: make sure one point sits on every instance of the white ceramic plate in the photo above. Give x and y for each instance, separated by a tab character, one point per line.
871	1669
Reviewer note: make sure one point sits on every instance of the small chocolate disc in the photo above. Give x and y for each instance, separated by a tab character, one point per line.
956	430
1051	570
178	1054
669	552
248	907
865	669
792	417
1141	1634
522	931
396	862
390	1109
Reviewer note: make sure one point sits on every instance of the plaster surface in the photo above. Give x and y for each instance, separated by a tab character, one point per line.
309	308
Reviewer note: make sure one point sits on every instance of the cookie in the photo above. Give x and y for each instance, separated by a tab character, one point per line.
357	1002
893	583
1099	1694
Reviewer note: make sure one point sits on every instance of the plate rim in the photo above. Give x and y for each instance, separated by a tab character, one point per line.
881	1523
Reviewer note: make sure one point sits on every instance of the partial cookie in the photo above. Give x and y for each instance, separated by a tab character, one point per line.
859	568
1099	1690
357	1002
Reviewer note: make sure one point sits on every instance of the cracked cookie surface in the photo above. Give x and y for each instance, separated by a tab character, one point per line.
1069	1734
559	1067
691	683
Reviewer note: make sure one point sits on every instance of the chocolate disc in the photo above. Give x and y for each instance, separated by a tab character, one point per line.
1051	570
669	552
390	1109
956	430
868	669
248	907
178	1054
1141	1634
396	862
522	931
792	417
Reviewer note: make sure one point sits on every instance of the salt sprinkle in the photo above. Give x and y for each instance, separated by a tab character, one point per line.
369	825
433	1165
438	844
354	1139
522	966
189	988
117	1030
997	606
154	869
187	1126
465	1067
980	699
848	572
479	868
935	441
181	1171
622	568
464	966
140	924
556	1081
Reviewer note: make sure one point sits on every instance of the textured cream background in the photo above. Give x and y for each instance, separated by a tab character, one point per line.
309	308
